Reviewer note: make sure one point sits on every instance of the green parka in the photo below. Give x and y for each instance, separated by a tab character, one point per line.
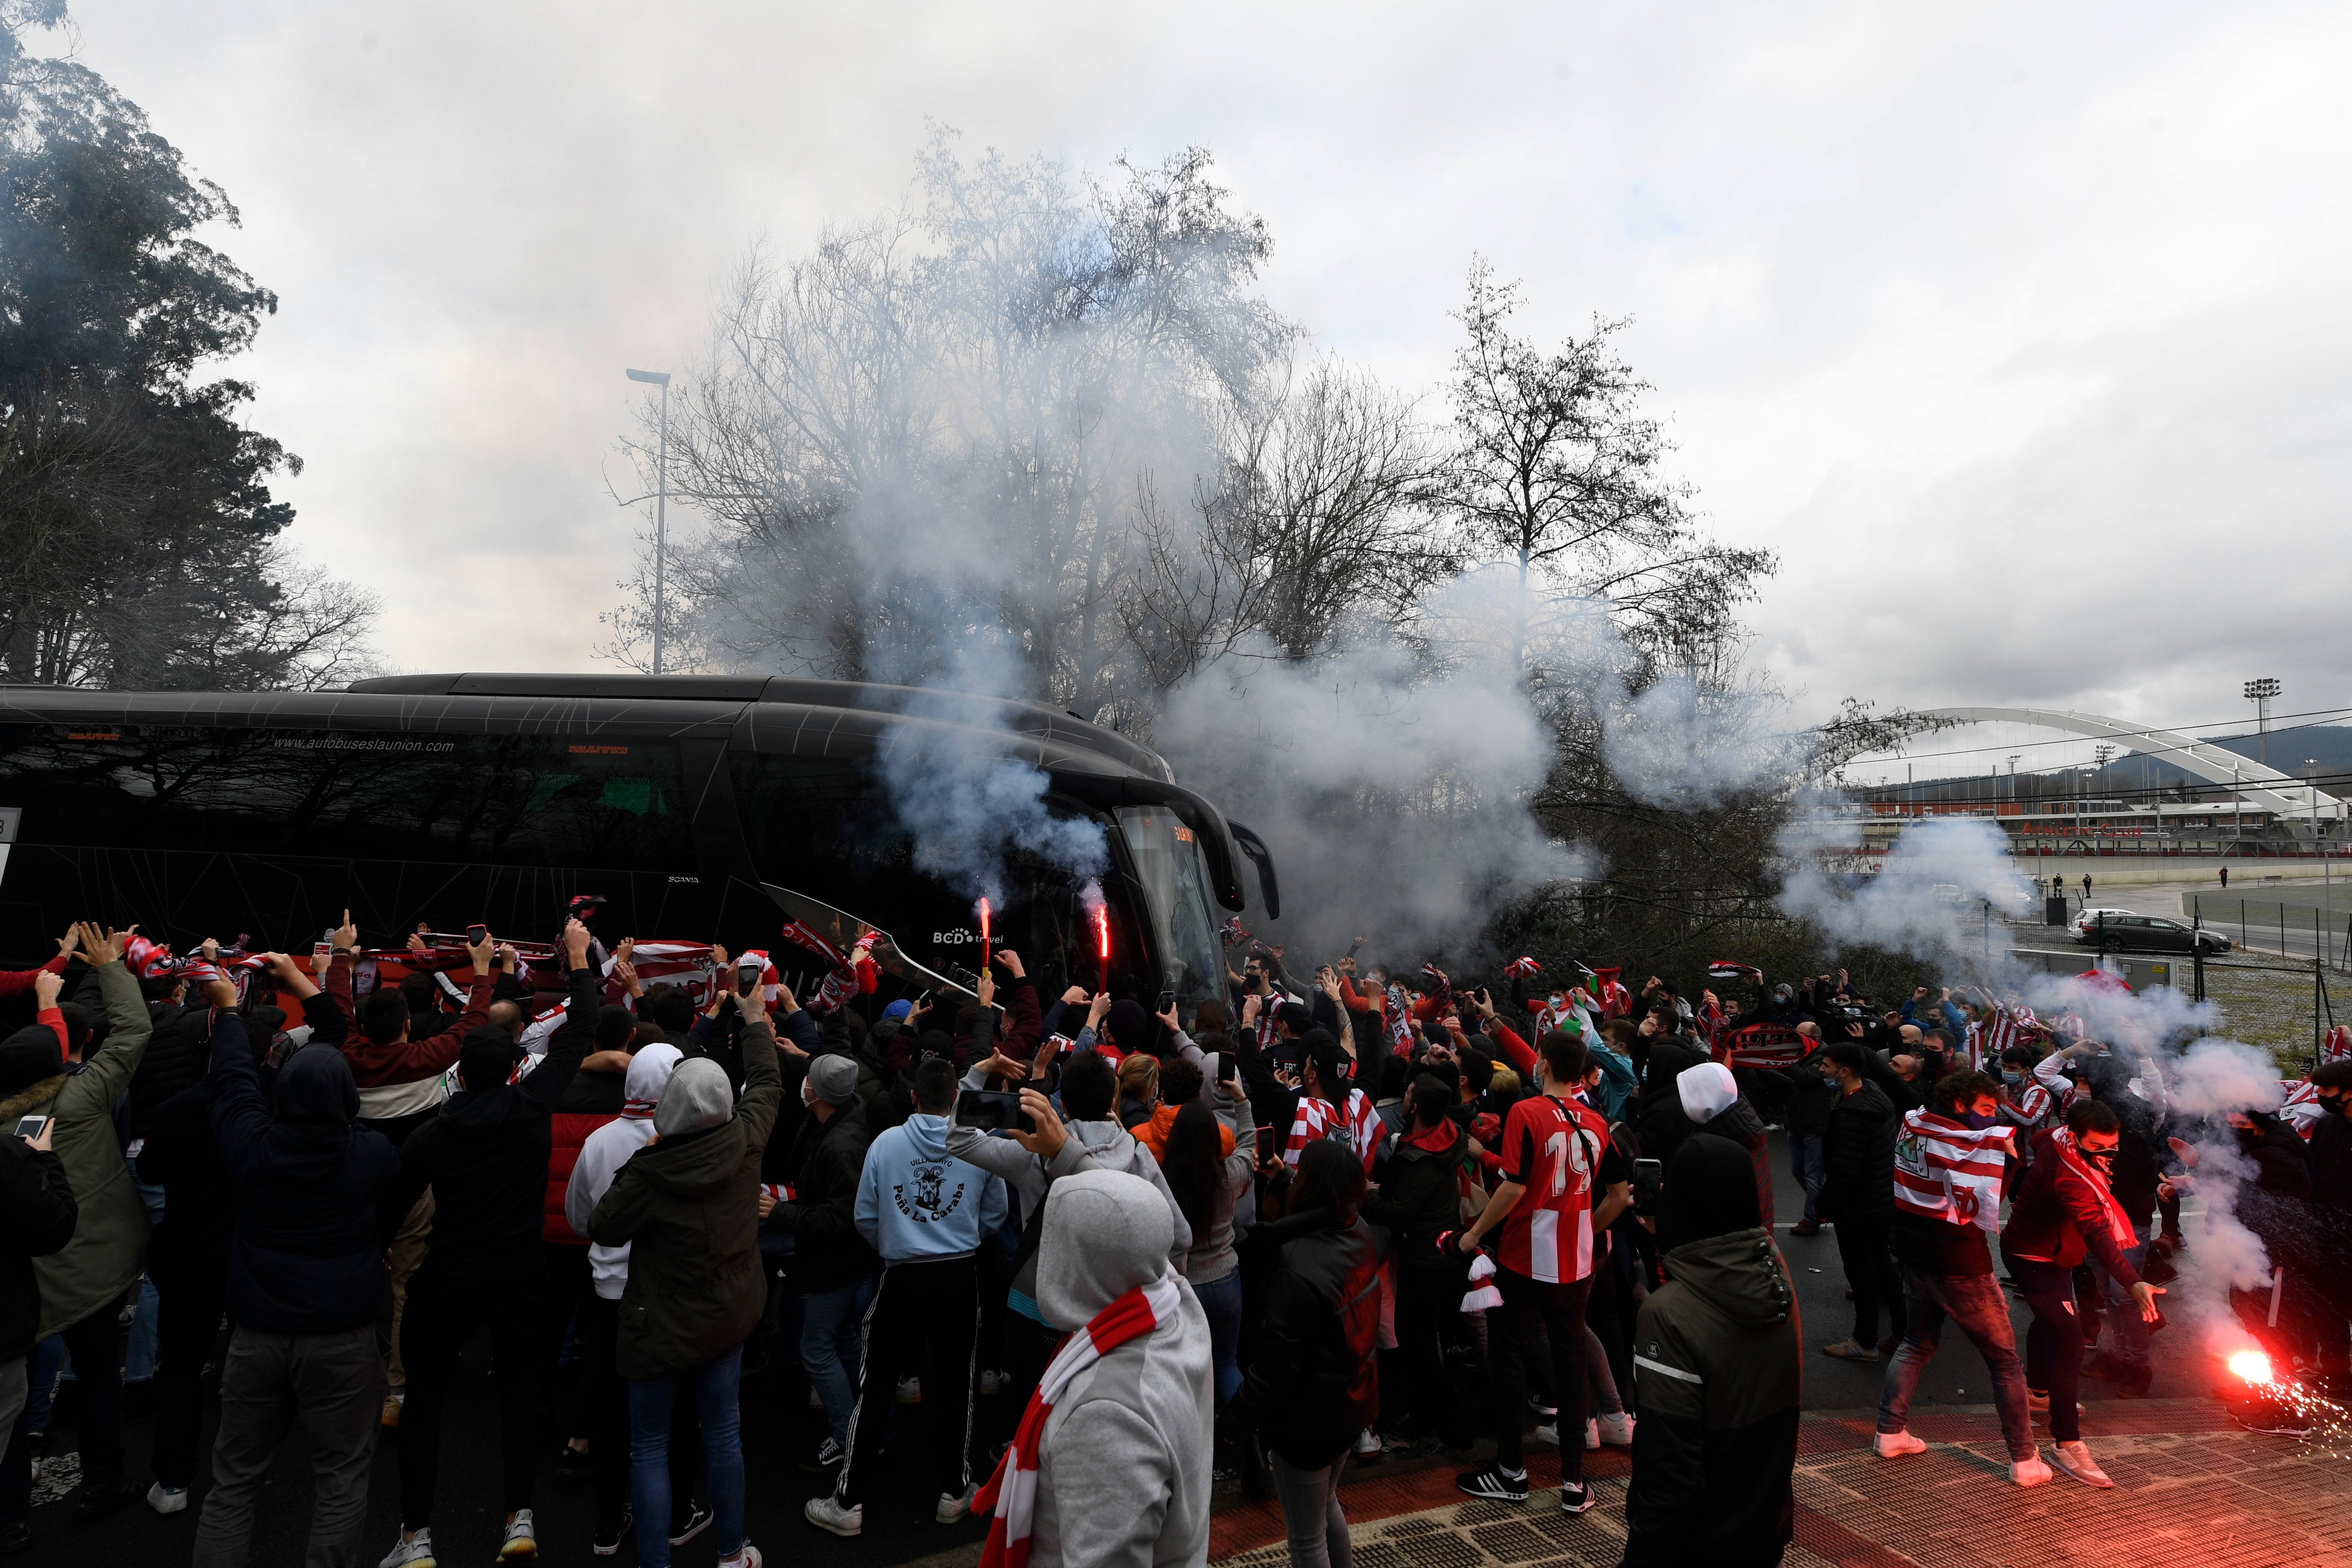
688	1209
110	1244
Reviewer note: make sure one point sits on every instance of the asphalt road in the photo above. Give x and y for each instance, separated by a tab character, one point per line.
779	1428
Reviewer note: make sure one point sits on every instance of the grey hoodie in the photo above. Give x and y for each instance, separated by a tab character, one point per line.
1123	1463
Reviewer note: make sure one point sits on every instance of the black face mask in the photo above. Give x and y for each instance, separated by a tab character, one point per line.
2106	1160
2336	1105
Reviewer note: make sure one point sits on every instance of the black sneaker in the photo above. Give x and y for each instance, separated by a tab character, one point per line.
827	1457
571	1461
1495	1483
607	1542
1579	1498
91	1502
698	1520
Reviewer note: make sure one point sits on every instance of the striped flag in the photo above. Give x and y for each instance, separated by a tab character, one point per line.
1945	1169
1765	1045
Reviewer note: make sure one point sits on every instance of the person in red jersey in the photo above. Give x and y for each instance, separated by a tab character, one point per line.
1563	1182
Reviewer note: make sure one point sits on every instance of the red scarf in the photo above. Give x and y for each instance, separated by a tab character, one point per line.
2119	1224
1010	1494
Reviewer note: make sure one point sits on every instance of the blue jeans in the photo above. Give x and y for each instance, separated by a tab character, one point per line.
1810	1167
138	1360
2126	1331
714	1385
1977	1303
1221	1299
829	1330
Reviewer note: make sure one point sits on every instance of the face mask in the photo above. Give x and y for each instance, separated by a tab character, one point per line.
2106	1160
2012	1077
2336	1105
1971	1118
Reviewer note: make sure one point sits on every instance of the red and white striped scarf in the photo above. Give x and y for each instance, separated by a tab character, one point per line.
1011	1495
1315	1119
2119	1224
1945	1169
1363	1127
1399	1011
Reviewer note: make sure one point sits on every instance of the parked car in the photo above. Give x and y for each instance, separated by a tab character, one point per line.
2085	919
2121	931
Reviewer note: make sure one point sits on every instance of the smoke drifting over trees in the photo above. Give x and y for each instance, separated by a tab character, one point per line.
1031	435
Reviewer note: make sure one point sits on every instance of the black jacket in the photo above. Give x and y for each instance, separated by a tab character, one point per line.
485	1157
306	1257
2331	1162
1717	1357
822	1218
1420	1199
36	1219
1313	1381
174	1060
1811	1100
1859	1152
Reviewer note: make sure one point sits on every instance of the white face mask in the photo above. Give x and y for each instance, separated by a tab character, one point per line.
1556	1000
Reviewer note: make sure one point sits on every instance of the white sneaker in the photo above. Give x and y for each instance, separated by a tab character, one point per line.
411	1551
911	1391
994	1382
1894	1445
522	1543
1547	1432
1592	1433
2074	1459
748	1558
825	1514
1367	1443
1617	1430
2029	1472
167	1500
953	1506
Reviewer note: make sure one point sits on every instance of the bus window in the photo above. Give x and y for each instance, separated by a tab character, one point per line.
1176	886
527	799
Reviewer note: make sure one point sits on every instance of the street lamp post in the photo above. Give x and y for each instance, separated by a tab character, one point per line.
2259	693
661	501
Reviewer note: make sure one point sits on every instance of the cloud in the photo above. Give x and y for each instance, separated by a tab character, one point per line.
1999	322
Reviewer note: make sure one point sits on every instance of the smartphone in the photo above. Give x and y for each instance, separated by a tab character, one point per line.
747	973
30	1127
1166	1000
1649	1176
477	935
992	1112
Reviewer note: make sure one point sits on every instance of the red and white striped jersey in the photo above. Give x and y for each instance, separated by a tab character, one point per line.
1551	1150
1949	1171
1315	1119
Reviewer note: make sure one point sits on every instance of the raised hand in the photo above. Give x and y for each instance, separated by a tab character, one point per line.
101	944
347	936
46	985
482	951
575	944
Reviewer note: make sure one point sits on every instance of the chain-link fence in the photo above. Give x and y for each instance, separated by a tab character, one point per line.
2275	1005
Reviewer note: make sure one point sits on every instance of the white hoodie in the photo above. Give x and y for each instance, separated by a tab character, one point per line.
606	1150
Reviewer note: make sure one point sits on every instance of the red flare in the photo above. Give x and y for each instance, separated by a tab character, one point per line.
1102	942
984	936
2251	1366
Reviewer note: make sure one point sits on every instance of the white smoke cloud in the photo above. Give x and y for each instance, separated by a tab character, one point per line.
1680	746
1926	900
1393	788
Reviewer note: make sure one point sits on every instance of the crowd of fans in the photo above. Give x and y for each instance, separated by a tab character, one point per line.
1318	1218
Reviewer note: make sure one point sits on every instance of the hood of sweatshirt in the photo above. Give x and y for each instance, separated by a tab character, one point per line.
1105	1233
649	1069
315	1088
1737	1274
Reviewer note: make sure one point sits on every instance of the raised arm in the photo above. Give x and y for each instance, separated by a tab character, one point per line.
128	1026
578	1030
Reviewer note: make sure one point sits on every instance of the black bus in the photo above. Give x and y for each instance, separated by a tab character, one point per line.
702	808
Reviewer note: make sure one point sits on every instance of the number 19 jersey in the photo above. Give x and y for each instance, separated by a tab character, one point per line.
1551	1150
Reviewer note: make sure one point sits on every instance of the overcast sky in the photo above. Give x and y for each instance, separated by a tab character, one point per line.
2020	331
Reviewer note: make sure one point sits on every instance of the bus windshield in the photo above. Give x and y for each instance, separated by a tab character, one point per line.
1176	886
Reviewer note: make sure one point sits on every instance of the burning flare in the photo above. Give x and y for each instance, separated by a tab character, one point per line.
982	910
2251	1366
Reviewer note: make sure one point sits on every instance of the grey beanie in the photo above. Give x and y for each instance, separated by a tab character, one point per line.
834	1079
697	1099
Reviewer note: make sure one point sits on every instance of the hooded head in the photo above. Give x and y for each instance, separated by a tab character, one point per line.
649	1072
27	1057
1709	1190
1105	1233
1707	1090
315	1088
1128	1025
697	1099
